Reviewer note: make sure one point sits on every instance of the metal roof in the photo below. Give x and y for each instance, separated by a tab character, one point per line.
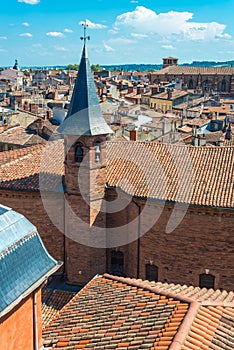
84	116
24	261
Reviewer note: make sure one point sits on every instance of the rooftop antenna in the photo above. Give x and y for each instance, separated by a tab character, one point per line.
85	37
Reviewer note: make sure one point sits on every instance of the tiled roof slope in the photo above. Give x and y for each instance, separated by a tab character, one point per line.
176	173
52	302
108	314
213	328
193	293
187	174
195	70
21	169
114	312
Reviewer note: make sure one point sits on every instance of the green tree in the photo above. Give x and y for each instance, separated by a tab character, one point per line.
96	67
72	67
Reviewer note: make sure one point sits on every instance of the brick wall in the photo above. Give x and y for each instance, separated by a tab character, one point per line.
31	206
203	240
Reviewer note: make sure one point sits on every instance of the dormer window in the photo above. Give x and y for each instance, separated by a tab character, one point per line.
98	152
79	153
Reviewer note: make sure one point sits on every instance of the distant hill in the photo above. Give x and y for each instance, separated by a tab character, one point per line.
210	64
134	67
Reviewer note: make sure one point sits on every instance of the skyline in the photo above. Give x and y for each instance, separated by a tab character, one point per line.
43	32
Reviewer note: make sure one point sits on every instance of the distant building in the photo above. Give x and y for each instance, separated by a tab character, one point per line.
196	78
170	61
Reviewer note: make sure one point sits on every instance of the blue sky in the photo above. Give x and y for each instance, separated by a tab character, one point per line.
47	32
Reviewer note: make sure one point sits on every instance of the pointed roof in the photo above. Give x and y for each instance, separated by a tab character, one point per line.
84	116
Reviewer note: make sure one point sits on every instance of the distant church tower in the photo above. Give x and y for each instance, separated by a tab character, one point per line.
16	65
85	132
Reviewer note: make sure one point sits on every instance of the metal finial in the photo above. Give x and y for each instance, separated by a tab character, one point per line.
85	37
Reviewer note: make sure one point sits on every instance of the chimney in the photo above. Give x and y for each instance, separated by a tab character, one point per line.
228	135
134	135
49	114
169	94
201	140
140	89
155	90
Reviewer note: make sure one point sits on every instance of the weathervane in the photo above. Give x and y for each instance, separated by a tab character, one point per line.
85	25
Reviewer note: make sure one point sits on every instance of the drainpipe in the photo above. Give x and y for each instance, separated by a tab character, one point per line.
64	239
138	239
35	323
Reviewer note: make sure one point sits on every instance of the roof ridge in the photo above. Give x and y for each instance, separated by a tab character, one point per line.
177	296
138	284
178	145
19	242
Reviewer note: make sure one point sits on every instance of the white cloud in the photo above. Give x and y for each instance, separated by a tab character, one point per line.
92	25
3	37
60	48
139	35
134	1
30	2
3	50
121	41
108	48
25	24
55	34
146	21
168	47
113	31
66	30
28	35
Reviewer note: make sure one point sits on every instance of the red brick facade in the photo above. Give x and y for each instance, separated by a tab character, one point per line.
203	241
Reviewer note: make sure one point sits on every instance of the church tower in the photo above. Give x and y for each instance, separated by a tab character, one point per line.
85	132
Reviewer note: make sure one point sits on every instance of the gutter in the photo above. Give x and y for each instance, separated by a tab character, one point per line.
138	239
35	322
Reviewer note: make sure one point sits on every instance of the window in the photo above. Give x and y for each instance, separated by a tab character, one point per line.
223	86
151	272
206	281
79	153
117	263
97	152
190	85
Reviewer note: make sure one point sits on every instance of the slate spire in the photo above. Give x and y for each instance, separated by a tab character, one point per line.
84	116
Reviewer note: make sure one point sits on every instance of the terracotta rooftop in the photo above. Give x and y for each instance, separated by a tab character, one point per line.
122	313
20	169
52	302
174	95
194	70
187	174
18	136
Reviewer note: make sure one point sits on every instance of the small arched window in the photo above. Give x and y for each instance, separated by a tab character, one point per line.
206	281
98	152
223	85
151	272
79	152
